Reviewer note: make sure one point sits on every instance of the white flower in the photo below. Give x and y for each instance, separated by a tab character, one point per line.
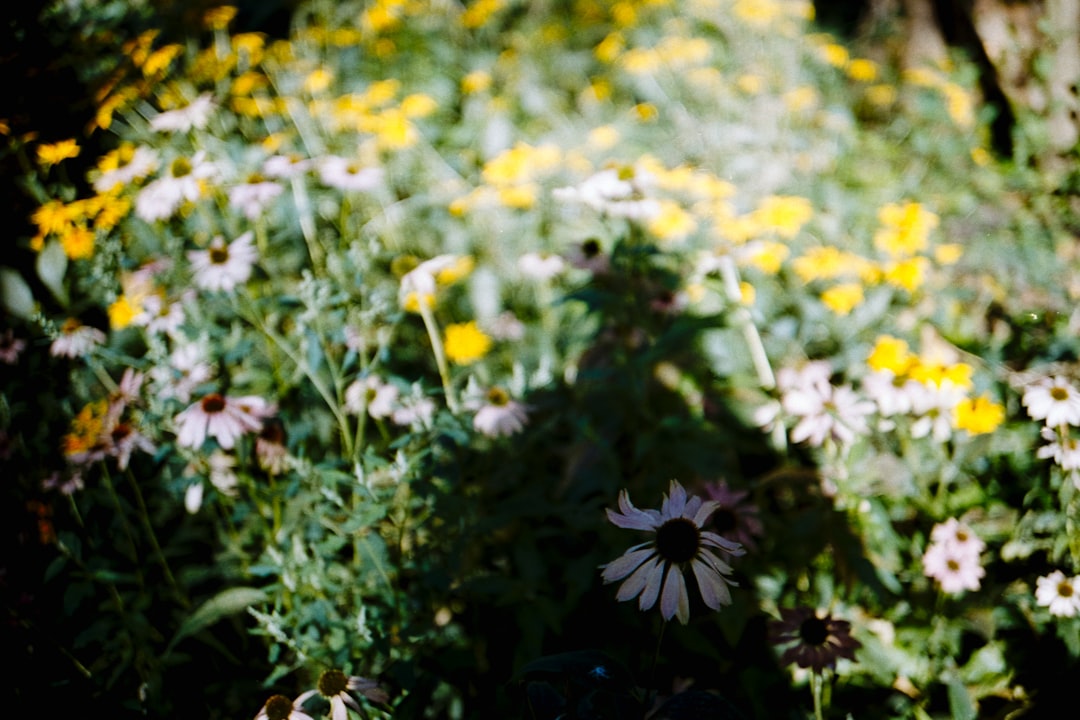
826	412
76	340
193	497
540	266
379	398
654	570
954	569
143	161
1064	449
500	415
345	174
222	418
279	707
956	534
1059	593
934	404
186	370
223	267
1054	401
183	119
617	192
285	167
337	687
220	465
253	197
893	396
415	411
160	316
183	182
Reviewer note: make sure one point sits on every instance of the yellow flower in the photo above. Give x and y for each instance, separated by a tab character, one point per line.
835	55
466	343
480	12
862	70
160	59
673	223
51	154
609	48
881	95
907	274
219	18
85	428
948	253
905	229
784	214
750	84
52	218
418	105
767	256
937	373
978	416
475	82
604	137
645	112
891	354
78	242
318	80
121	313
843	298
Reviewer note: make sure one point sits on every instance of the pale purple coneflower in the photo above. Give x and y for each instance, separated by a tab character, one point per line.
541	266
143	161
1063	448
11	347
736	517
337	687
953	557
344	174
279	707
286	167
223	418
654	570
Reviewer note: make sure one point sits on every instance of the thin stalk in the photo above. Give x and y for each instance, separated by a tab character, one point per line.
730	275
815	689
144	515
440	354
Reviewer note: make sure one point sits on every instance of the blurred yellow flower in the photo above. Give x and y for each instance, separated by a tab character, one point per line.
52	218
843	298
935	373
317	80
604	137
466	343
160	59
891	354
219	18
905	229
78	242
978	416
862	70
53	153
783	214
479	12
609	49
767	256
834	54
418	105
475	82
881	95
828	262
948	253
907	274
86	428
672	223
121	313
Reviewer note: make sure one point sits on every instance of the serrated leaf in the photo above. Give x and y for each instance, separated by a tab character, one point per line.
15	294
52	265
227	602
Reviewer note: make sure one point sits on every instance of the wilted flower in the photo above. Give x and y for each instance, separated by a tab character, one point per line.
819	641
656	568
1059	593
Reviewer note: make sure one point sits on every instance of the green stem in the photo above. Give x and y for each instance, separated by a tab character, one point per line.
144	515
440	354
815	689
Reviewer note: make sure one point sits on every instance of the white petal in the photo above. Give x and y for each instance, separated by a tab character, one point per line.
622	566
675	601
635	583
714	591
652	585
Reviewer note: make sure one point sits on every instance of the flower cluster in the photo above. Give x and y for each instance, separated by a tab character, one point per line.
952	558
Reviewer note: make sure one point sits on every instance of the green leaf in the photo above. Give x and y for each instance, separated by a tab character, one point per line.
52	265
227	602
15	294
961	706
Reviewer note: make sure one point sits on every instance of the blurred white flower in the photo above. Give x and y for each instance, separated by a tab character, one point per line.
540	266
194	115
952	557
222	418
76	340
285	167
620	192
345	174
1064	449
252	198
1053	400
182	183
500	415
144	160
372	393
223	267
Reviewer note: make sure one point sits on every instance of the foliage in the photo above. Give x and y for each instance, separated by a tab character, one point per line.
350	338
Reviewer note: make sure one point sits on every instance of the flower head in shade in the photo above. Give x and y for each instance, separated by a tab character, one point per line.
338	688
500	415
655	569
223	267
11	347
735	518
1059	593
76	340
222	418
279	707
814	641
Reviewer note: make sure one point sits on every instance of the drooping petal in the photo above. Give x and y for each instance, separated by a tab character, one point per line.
632	518
635	583
338	711
652	585
714	563
714	591
625	564
674	600
713	540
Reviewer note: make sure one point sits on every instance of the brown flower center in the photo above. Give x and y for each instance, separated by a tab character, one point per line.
813	631
678	540
213	403
278	707
332	683
1065	589
219	255
498	397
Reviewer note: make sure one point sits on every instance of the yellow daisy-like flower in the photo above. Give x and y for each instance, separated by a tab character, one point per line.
978	416
784	214
475	82
843	298
466	343
53	153
78	243
892	354
121	313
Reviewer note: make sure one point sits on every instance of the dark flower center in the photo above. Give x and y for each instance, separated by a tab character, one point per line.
725	520
497	397
181	167
1065	589
273	431
677	540
332	682
278	707
213	403
120	432
590	248
219	255
1059	393
813	631
953	565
